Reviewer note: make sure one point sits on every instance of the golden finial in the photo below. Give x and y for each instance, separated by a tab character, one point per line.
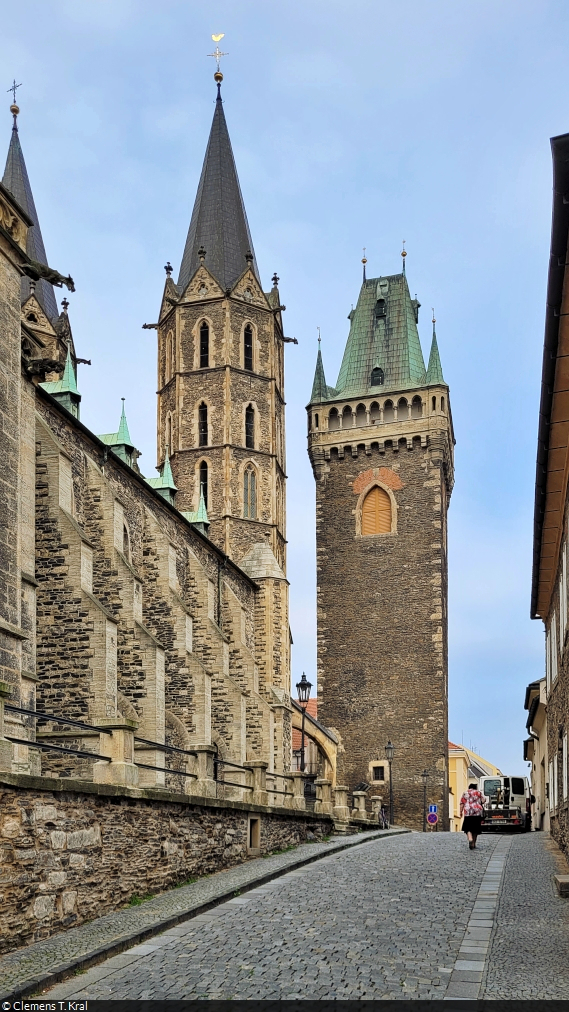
403	254
217	54
364	262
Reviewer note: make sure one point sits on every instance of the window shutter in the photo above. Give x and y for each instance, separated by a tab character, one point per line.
376	512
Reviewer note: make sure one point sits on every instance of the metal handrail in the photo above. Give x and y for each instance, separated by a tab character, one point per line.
226	762
61	720
165	769
165	748
232	783
58	748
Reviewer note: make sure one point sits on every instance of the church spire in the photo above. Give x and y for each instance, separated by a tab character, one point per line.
16	180
434	369
219	222
319	388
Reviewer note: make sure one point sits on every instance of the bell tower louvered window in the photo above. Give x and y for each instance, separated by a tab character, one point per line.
202	424
248	347
204	481
204	345
377	377
249	493
376	512
250	427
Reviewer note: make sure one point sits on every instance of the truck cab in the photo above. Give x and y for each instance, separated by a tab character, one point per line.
507	803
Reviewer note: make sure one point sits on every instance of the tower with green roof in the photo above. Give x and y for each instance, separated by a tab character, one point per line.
381	447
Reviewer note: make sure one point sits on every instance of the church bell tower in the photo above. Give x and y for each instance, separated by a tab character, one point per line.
221	370
381	447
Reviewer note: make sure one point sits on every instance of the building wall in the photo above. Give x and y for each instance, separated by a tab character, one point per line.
382	601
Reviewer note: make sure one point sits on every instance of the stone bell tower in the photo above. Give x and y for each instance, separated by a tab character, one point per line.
221	369
381	447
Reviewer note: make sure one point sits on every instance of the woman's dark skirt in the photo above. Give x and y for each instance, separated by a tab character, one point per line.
472	824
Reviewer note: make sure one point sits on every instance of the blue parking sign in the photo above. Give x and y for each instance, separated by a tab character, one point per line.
433	809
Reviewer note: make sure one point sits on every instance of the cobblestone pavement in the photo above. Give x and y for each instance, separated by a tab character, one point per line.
30	967
385	920
529	951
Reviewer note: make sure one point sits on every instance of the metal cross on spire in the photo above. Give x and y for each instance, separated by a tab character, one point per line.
13	88
218	54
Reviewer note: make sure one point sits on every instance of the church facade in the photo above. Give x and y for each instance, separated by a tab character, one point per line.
381	447
149	611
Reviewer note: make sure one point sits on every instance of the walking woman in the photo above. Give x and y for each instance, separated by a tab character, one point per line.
472	807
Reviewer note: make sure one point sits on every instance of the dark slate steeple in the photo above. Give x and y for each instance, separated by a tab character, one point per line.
16	180
219	222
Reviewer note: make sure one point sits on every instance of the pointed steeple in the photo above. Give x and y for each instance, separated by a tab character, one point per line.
219	222
65	389
434	369
319	388
165	484
199	518
16	180
123	435
120	442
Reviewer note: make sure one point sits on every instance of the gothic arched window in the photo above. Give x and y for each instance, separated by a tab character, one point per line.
204	345
380	309
250	427
416	407
249	493
377	377
202	424
204	481
248	347
333	419
388	413
376	512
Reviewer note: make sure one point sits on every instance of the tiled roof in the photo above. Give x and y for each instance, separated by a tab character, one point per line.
219	222
383	335
434	369
16	180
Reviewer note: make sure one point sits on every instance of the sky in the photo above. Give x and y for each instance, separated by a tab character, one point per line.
353	125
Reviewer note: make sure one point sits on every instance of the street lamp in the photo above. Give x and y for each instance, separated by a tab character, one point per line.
303	689
389	750
424	777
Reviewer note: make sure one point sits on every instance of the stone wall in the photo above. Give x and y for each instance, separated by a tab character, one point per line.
71	852
382	618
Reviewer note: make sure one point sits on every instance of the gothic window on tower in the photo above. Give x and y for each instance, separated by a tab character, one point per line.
376	512
388	412
204	481
249	493
250	427
204	345
377	377
333	419
248	347
374	412
202	424
402	409
361	417
380	309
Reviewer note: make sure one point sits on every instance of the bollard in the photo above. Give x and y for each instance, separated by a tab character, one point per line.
119	746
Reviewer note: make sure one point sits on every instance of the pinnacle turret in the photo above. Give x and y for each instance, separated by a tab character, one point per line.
16	180
434	369
319	388
65	389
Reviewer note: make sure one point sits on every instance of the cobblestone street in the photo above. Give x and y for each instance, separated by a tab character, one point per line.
411	917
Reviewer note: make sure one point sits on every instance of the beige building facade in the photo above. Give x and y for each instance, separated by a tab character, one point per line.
464	767
536	752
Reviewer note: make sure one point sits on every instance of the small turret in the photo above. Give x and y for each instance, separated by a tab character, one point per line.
121	443
65	389
434	369
165	484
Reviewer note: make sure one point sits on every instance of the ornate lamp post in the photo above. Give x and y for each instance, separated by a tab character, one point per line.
389	750
424	777
303	689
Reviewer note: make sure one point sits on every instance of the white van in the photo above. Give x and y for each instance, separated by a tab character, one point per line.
508	803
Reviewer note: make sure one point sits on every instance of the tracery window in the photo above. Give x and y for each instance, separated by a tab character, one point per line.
376	512
250	427
248	347
204	345
202	424
249	493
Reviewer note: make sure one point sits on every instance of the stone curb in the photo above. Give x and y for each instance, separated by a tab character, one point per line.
47	978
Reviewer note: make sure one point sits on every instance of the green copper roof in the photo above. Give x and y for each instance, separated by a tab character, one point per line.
320	391
383	335
200	516
165	484
120	438
68	382
435	369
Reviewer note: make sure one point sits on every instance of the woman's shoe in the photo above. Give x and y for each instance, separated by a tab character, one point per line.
470	845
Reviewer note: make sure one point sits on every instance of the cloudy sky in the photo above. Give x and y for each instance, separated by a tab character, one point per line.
353	124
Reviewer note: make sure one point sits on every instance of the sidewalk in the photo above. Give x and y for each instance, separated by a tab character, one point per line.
44	963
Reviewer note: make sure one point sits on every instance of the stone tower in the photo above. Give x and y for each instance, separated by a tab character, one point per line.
221	369
381	447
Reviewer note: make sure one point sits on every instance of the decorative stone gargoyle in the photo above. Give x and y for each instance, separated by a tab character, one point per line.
34	270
